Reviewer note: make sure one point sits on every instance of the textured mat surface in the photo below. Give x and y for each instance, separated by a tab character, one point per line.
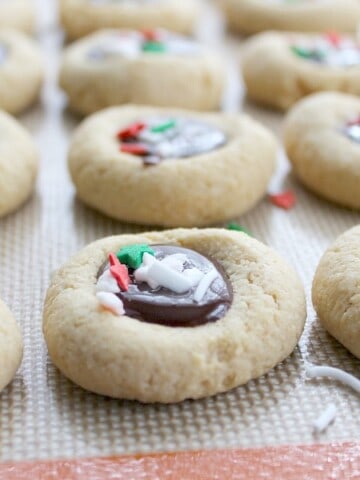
42	415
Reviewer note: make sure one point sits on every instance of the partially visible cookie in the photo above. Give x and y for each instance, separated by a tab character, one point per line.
81	17
157	67
17	14
161	166
21	71
166	316
11	346
336	290
293	66
18	164
322	140
253	16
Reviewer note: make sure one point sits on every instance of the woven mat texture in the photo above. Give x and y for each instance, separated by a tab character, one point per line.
43	415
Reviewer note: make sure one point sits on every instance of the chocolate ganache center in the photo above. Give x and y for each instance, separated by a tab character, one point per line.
163	138
207	299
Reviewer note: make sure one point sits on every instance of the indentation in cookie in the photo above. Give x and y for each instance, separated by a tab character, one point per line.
330	50
160	138
164	284
131	43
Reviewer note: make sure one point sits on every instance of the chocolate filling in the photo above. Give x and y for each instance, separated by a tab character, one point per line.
165	307
180	138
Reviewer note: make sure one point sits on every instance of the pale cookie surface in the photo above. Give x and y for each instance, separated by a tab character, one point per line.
11	346
336	290
295	65
17	14
81	17
253	16
21	71
322	140
18	164
123	357
183	187
113	67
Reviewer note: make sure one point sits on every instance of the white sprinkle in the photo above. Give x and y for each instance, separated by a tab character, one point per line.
147	259
194	275
205	283
334	373
168	278
141	274
327	417
111	302
175	261
107	283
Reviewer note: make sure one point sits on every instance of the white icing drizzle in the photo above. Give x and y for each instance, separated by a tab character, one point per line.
335	374
107	283
204	284
325	419
111	302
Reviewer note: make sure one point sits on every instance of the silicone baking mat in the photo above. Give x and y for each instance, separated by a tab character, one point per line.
44	416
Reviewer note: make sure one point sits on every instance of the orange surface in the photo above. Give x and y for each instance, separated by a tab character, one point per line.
315	462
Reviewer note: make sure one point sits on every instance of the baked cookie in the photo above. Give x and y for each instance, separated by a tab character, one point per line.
11	348
253	16
166	316
294	65
17	14
114	67
335	291
21	71
81	17
322	140
18	164
171	167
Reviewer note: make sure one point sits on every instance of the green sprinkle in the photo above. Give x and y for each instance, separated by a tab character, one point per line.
132	255
238	228
163	127
302	52
154	47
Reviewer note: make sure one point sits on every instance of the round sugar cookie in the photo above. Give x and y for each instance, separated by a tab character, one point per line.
171	167
21	71
11	346
166	316
335	291
293	66
322	140
254	16
81	17
18	164
17	14
160	68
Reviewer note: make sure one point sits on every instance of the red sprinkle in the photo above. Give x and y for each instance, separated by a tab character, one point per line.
131	131
135	149
151	35
119	272
353	123
285	200
333	38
